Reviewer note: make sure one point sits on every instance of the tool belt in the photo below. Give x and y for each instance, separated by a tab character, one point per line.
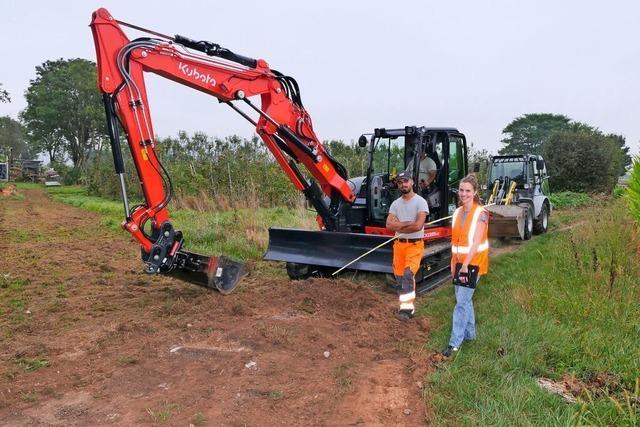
408	240
471	275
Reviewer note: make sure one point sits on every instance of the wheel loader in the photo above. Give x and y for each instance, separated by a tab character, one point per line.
518	196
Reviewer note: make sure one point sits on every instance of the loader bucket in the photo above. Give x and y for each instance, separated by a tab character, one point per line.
329	249
506	221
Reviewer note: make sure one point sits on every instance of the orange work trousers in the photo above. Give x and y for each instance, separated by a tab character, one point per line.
407	254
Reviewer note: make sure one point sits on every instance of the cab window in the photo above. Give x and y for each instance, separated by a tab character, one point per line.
388	156
456	160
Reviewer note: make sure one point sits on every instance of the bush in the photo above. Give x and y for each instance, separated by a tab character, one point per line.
570	199
582	162
633	191
68	174
618	192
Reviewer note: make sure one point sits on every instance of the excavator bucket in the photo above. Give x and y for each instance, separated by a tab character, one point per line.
329	249
506	221
217	273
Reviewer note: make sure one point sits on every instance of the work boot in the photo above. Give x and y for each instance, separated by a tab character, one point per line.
404	315
450	350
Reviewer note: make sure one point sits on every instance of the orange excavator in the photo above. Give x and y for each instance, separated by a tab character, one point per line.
351	212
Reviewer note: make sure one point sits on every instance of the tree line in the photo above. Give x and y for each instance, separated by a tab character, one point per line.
64	120
579	157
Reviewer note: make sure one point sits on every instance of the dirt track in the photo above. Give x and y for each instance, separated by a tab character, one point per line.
88	339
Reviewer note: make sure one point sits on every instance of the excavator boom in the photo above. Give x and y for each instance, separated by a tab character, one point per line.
282	123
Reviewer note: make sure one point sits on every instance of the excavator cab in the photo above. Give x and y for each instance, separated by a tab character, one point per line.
389	151
394	150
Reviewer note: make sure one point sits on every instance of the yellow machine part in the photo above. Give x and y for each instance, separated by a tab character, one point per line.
512	189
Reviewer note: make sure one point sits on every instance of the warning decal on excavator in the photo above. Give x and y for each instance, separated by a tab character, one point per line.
145	156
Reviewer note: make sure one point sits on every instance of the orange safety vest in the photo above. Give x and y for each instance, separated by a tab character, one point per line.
462	234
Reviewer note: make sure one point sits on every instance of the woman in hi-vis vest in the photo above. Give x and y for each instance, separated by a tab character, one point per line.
469	260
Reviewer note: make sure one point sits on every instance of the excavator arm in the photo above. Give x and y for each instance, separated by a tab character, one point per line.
282	123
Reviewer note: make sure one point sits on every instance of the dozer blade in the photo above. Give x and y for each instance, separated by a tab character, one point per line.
218	273
329	249
506	221
334	249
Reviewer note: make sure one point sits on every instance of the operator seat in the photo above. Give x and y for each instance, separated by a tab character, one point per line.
432	193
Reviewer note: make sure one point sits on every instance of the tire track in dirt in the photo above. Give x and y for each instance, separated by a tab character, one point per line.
124	348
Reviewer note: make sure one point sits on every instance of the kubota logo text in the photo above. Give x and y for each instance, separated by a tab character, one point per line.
193	72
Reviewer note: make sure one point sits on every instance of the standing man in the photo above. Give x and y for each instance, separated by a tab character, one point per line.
406	217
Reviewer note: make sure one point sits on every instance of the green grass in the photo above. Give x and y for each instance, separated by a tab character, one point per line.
632	193
566	304
164	413
240	234
28	185
569	199
32	364
13	300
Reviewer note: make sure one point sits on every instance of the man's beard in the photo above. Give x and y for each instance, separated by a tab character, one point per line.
405	190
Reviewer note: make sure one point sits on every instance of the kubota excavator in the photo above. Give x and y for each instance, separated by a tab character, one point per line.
351	212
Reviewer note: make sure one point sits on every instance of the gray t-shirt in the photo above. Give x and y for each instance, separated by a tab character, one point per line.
407	210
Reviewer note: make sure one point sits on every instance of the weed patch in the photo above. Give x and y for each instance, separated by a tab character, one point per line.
343	376
29	396
31	364
570	199
164	413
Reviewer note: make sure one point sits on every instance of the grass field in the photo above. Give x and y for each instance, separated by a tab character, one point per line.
564	307
240	233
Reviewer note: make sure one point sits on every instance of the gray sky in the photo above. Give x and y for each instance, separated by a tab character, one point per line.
475	65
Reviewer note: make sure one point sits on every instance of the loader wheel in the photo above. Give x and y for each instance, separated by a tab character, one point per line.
541	224
528	223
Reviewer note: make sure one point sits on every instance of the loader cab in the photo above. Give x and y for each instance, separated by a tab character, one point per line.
392	151
528	171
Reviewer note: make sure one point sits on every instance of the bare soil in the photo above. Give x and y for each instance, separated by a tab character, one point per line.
87	339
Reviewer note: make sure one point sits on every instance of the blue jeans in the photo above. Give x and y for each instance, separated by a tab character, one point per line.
464	320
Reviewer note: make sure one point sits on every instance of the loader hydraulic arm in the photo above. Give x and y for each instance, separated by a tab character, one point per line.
282	123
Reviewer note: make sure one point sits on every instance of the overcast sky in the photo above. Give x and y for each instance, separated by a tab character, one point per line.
475	65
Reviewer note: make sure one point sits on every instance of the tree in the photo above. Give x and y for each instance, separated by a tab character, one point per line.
633	190
64	111
620	142
527	134
579	161
481	157
352	157
4	95
12	138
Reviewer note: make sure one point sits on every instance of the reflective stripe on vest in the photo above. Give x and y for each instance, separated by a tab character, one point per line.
483	246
